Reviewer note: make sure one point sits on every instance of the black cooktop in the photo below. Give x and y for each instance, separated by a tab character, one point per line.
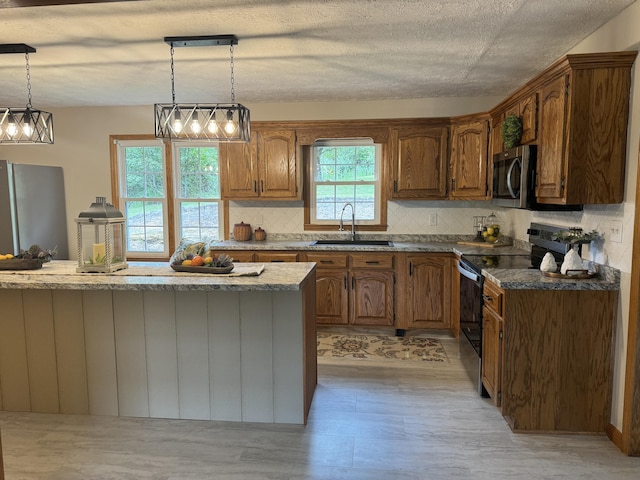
499	261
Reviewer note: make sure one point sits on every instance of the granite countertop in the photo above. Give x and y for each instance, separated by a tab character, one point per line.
61	274
608	278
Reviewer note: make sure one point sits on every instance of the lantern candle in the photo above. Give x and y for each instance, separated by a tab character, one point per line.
99	253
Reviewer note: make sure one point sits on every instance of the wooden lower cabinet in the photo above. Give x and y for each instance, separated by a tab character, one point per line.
332	297
551	369
354	288
492	354
426	280
372	299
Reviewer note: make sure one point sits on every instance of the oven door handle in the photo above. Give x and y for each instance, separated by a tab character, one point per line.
466	273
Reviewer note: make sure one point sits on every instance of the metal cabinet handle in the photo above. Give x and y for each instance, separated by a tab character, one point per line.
353	283
488	298
262	186
326	261
345	282
372	262
255	186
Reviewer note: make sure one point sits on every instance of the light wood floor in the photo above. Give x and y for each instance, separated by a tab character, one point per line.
367	422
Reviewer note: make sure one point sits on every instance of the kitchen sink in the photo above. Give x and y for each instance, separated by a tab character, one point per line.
381	243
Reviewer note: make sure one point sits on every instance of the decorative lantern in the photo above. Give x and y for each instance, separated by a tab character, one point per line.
101	239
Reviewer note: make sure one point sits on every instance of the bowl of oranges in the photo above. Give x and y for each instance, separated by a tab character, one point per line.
196	258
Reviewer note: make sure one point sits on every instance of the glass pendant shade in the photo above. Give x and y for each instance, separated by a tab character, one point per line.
24	125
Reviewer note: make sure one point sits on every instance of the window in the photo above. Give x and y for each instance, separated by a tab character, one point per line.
167	193
345	172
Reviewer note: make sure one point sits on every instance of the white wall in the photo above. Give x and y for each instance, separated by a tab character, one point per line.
81	147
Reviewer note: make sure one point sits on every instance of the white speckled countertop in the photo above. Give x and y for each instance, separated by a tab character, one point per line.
61	274
608	278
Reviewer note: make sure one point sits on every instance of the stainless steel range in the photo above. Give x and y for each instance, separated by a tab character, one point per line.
471	289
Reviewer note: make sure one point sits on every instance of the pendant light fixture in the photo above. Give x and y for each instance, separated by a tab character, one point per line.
24	125
227	122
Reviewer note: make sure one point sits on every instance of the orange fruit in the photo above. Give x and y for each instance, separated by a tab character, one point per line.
197	261
186	263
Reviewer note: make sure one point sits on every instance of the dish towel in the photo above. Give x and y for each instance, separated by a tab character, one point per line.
246	270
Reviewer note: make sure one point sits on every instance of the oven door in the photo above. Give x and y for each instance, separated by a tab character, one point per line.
471	322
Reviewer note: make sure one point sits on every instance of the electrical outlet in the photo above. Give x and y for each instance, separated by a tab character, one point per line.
615	231
433	219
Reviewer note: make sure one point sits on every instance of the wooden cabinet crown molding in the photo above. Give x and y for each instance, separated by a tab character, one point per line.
562	67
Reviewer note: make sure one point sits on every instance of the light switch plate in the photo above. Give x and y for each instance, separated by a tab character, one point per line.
615	231
433	219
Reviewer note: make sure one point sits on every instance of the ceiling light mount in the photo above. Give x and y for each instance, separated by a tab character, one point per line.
24	125
228	122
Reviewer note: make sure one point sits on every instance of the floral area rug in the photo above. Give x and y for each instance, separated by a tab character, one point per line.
380	347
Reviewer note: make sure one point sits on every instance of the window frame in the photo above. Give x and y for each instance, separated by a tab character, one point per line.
171	227
177	200
381	203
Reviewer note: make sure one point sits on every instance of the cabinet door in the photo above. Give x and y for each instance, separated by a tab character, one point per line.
491	354
529	115
238	171
332	297
277	159
550	170
419	159
469	160
429	291
372	299
496	135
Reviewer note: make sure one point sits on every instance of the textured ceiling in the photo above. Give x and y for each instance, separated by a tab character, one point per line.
289	51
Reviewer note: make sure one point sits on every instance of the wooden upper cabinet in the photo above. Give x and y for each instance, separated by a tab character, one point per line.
580	106
266	168
277	160
528	108
238	171
496	134
469	160
550	170
419	162
594	125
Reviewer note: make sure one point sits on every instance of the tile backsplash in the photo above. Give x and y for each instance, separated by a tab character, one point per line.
456	218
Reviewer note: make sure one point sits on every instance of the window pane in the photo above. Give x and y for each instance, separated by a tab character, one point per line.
135	185
325	193
154	185
326	211
345	194
365	193
346	173
345	155
365	211
326	173
154	239
326	155
199	220
365	173
153	214
199	172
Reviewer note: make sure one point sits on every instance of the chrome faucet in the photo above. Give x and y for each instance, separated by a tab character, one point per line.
353	221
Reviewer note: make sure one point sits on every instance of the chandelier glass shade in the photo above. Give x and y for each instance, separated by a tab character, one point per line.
24	125
226	122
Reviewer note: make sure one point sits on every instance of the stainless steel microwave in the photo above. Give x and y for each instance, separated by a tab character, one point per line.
514	173
514	180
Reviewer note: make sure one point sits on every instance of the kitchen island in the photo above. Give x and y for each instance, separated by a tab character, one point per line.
151	342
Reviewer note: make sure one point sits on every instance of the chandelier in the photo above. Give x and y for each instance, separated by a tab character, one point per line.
24	125
228	122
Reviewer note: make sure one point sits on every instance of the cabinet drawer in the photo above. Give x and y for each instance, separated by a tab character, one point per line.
237	255
276	257
492	296
328	260
372	260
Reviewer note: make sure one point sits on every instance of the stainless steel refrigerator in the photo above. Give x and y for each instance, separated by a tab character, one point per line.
32	208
